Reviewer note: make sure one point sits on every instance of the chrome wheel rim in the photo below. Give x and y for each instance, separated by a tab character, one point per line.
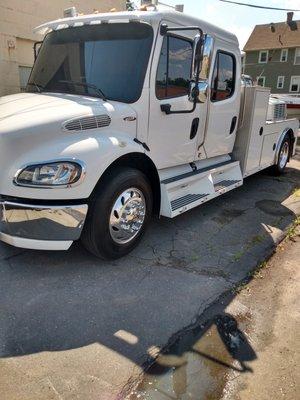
284	155
127	216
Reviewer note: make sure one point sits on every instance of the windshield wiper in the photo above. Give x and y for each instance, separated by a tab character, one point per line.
38	87
88	85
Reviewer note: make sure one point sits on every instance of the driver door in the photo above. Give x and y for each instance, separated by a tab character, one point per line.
173	138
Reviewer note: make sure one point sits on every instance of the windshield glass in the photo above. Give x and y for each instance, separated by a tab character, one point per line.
111	57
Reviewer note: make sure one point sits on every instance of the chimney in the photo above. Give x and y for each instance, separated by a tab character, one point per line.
289	20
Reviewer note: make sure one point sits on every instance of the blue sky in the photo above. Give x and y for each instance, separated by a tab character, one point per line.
237	19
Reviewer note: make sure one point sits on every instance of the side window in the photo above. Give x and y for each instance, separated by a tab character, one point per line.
174	68
223	79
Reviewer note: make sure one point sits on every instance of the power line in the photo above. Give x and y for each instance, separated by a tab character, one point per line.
255	6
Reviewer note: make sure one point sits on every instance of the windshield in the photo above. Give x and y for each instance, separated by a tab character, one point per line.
106	59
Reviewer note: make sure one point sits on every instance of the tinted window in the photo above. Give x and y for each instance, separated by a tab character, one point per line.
223	77
113	57
174	68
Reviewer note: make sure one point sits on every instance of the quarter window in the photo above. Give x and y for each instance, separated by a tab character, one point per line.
284	55
280	82
174	68
223	77
263	56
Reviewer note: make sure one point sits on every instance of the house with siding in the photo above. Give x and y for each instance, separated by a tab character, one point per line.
272	56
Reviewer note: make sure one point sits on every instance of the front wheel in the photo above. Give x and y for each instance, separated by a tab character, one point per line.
283	157
118	215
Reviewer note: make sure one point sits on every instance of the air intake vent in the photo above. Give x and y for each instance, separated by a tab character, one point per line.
84	123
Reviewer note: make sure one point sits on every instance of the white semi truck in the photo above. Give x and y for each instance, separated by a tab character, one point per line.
127	115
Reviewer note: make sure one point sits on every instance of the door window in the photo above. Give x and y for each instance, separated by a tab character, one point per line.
174	68
223	77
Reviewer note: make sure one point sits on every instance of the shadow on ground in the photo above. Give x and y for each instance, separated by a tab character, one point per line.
54	301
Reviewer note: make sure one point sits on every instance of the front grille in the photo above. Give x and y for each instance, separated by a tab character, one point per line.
85	123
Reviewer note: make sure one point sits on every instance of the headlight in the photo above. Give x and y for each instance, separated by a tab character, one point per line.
52	174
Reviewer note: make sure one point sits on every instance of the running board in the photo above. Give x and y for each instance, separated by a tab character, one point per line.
186	191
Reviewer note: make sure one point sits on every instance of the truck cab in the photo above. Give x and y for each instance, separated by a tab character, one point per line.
124	115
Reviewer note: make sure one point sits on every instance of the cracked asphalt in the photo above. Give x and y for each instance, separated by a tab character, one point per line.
75	327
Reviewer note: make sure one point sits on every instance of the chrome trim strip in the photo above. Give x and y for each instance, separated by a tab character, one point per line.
56	160
42	223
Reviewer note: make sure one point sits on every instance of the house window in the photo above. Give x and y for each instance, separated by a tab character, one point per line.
223	80
24	73
261	80
263	56
174	68
284	55
295	84
280	82
297	56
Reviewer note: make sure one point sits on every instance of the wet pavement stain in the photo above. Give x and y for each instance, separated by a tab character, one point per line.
273	207
197	365
227	216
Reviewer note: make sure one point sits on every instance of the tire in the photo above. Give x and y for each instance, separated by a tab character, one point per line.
283	156
127	195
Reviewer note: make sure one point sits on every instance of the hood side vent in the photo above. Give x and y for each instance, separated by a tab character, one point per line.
84	123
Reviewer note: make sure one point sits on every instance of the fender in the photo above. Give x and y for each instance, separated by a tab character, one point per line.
280	141
97	152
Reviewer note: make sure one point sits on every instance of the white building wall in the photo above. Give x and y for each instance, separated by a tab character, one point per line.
17	20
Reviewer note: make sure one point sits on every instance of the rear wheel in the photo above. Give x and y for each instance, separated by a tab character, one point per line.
118	215
283	157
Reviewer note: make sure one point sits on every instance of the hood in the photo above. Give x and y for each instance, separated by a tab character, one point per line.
42	108
33	119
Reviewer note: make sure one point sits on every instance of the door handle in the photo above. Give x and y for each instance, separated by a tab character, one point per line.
194	128
233	124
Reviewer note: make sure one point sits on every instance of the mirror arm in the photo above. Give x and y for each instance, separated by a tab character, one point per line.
35	49
166	108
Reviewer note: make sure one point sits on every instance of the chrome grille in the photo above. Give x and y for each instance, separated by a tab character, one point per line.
85	123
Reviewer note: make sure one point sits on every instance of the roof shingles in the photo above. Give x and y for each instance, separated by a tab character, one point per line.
262	37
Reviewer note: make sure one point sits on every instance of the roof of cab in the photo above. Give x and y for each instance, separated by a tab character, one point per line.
151	17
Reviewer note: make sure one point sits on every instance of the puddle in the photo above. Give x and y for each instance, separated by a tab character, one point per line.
198	364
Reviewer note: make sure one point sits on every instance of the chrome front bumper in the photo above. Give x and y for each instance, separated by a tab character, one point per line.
41	227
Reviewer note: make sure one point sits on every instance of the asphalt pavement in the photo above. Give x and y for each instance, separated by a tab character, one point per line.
75	327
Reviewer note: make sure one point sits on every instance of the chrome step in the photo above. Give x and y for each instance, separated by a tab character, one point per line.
224	184
185	200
